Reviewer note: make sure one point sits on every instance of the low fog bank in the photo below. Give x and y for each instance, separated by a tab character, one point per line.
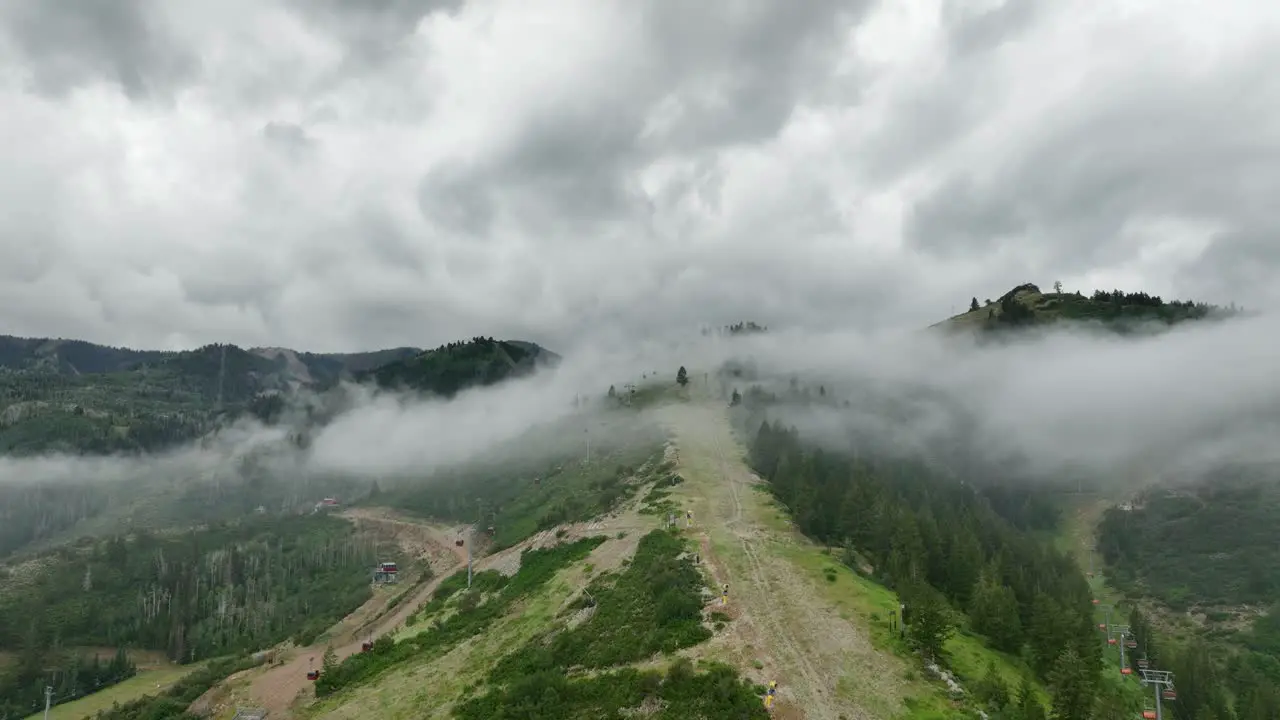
359	433
1064	402
1061	403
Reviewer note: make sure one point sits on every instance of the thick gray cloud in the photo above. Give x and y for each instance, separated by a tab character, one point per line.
123	42
343	174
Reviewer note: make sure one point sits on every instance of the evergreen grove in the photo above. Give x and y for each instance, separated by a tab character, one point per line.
948	553
219	591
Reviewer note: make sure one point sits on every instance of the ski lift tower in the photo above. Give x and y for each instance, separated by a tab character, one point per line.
1162	680
1123	637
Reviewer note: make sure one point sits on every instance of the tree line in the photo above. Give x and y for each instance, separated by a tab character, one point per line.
947	552
203	593
32	513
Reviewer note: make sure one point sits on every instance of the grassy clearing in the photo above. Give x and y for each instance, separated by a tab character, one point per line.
165	702
146	682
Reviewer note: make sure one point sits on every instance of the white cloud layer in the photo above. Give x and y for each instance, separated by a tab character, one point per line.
342	175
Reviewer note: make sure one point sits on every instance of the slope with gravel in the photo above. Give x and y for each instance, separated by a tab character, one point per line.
278	686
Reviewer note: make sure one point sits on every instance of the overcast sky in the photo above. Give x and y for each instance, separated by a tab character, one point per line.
350	174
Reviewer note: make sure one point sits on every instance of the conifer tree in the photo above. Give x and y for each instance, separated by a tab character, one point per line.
930	623
1029	708
330	659
1073	687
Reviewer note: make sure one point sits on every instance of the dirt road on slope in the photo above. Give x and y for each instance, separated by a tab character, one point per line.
276	688
825	666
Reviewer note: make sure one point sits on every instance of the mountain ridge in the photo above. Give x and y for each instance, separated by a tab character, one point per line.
78	397
1026	306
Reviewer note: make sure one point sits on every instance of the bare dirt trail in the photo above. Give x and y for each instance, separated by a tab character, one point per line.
815	655
277	687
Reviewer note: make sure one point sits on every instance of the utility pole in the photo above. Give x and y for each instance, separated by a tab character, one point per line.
48	700
472	540
1163	682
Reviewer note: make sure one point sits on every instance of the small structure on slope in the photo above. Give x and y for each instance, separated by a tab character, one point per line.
386	572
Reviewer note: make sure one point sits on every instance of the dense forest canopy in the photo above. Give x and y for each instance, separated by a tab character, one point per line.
214	592
195	594
1216	542
454	367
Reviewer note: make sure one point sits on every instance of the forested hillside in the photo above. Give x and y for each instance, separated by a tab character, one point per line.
146	408
196	594
143	401
1214	543
454	367
72	357
31	513
1210	553
956	562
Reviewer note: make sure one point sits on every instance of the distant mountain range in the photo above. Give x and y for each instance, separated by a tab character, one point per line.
76	396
